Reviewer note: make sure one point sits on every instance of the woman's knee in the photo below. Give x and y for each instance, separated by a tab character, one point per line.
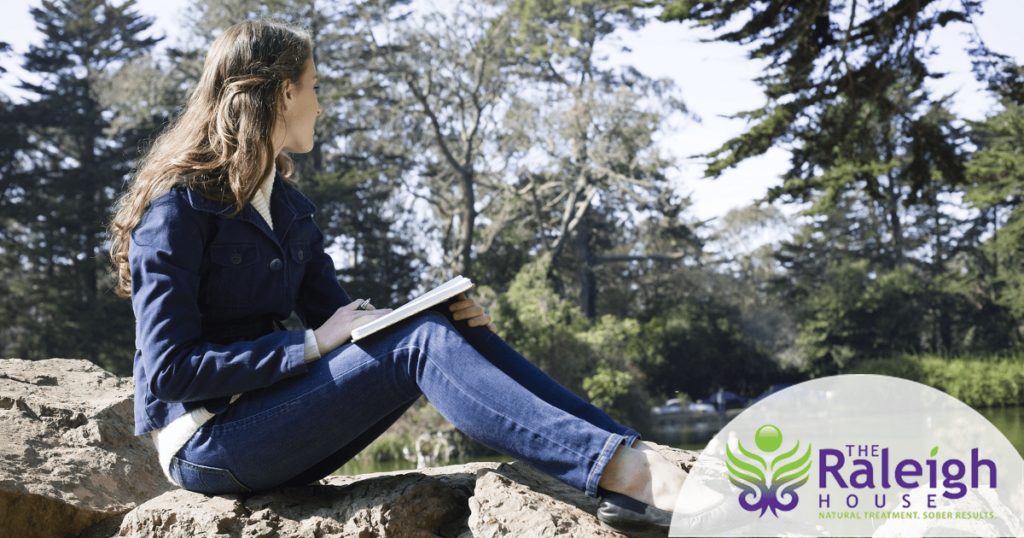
431	322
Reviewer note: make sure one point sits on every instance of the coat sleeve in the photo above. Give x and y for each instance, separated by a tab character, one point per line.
165	256
320	294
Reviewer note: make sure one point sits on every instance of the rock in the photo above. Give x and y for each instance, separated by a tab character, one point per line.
461	501
68	454
410	505
516	500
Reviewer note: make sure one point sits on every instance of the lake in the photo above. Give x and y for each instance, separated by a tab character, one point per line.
1009	421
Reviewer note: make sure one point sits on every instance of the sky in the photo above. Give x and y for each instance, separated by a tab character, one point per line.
716	80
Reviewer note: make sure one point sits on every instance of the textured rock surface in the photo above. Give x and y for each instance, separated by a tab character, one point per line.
516	500
464	501
411	505
68	454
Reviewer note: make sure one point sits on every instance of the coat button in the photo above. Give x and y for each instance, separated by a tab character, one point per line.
275	264
236	258
301	255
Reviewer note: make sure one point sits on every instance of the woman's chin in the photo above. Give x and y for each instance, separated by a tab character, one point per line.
305	148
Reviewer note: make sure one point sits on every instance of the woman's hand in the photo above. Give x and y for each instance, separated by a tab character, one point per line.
338	329
469	309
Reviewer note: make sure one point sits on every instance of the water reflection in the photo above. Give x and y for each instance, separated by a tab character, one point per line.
1009	421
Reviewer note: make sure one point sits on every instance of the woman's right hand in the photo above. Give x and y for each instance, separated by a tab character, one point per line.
338	329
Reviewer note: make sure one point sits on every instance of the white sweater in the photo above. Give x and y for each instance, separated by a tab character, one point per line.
173	436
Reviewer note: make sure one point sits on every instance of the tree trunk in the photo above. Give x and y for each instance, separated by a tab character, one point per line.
892	207
588	284
464	266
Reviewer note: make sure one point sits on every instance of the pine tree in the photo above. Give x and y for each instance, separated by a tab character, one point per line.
876	155
70	167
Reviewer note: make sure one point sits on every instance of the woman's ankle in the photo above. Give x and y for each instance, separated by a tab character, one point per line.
643	474
667	481
628	473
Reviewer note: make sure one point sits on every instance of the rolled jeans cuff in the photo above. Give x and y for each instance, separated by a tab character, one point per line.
610	446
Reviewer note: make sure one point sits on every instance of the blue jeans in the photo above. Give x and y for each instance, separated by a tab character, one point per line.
304	428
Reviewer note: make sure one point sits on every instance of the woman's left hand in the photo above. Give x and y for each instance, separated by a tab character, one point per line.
469	309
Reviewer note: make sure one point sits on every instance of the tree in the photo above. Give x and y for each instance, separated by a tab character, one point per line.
450	73
744	267
700	349
69	173
992	257
583	138
384	261
848	99
875	156
599	360
822	80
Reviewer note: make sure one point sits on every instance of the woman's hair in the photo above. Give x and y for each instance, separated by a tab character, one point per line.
220	145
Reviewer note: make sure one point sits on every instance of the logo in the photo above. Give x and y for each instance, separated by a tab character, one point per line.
768	486
863	455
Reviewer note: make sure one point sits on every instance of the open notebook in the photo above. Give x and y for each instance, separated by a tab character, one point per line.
437	295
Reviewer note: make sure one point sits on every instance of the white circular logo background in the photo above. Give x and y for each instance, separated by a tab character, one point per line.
855	455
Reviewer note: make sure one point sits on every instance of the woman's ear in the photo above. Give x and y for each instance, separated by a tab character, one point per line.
287	89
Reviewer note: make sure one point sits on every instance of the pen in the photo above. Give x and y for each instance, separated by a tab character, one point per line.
363	306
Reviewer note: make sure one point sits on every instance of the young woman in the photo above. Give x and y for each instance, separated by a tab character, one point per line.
216	246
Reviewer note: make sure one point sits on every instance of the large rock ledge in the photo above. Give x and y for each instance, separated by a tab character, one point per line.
70	467
478	500
69	457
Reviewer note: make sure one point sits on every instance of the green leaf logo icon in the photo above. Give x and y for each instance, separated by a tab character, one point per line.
788	471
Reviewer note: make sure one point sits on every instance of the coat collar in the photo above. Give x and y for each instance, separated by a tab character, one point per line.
286	205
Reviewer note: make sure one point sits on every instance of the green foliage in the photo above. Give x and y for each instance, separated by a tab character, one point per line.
617	383
387	448
980	381
503	252
384	262
68	150
598	360
606	385
836	92
882	267
859	312
700	349
996	172
542	326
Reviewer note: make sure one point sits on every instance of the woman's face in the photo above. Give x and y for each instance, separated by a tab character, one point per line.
294	129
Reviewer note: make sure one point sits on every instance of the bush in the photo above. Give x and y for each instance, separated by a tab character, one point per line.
976	381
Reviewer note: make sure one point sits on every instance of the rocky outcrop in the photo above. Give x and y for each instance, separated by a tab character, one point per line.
68	454
479	500
515	500
410	506
70	466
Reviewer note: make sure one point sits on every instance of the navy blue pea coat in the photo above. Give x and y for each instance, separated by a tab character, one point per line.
208	291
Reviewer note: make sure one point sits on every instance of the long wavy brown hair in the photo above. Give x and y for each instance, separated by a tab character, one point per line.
220	145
